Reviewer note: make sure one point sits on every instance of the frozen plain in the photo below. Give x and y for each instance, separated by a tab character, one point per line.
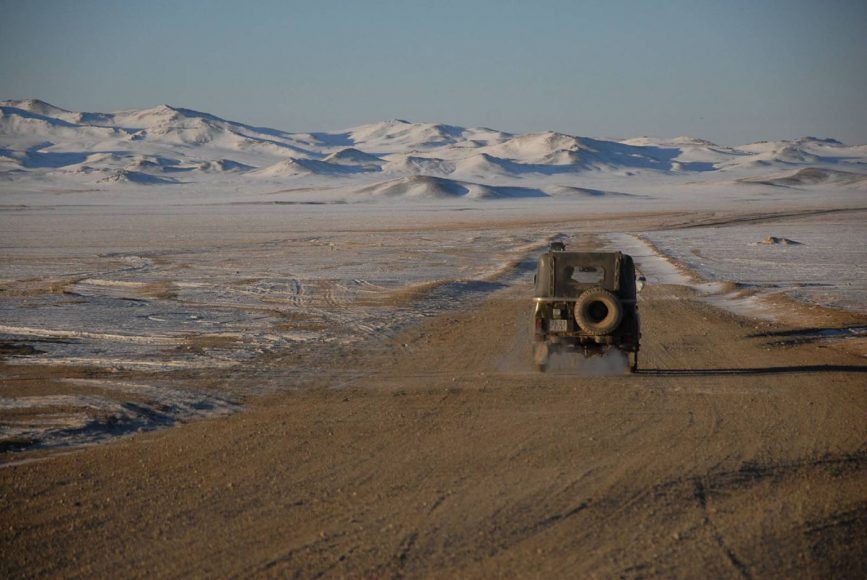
174	249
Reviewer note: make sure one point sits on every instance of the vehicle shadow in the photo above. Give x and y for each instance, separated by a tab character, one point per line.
754	371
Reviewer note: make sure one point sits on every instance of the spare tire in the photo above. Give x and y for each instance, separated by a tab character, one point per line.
598	311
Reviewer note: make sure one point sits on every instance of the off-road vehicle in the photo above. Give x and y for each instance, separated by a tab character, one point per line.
585	302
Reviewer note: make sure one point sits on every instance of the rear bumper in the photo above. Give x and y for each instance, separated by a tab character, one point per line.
578	341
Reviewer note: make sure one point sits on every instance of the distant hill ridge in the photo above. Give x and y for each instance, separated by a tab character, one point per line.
167	145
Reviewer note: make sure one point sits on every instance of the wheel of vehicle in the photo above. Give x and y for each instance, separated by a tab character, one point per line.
540	356
631	368
598	312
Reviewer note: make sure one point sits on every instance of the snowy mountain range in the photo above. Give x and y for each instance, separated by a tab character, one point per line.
42	145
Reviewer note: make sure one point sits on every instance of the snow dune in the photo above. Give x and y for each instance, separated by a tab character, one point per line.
438	187
44	148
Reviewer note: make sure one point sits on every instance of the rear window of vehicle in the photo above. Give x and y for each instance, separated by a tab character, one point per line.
588	274
577	272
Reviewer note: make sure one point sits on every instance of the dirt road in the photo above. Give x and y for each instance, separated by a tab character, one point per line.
736	452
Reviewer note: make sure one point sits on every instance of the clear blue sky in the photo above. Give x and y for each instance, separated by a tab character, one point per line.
732	71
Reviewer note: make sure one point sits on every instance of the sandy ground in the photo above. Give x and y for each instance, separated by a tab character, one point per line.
738	451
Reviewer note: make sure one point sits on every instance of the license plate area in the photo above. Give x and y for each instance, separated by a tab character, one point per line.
558	325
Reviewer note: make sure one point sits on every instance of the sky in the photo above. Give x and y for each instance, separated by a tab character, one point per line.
732	71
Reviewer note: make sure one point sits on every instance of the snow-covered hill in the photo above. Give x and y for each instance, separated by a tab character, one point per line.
44	146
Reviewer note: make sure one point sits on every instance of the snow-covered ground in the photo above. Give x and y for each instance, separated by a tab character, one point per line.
164	244
135	294
820	260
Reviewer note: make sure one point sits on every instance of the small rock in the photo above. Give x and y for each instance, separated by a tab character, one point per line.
774	240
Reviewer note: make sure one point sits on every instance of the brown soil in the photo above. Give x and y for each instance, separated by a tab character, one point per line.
159	290
728	455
